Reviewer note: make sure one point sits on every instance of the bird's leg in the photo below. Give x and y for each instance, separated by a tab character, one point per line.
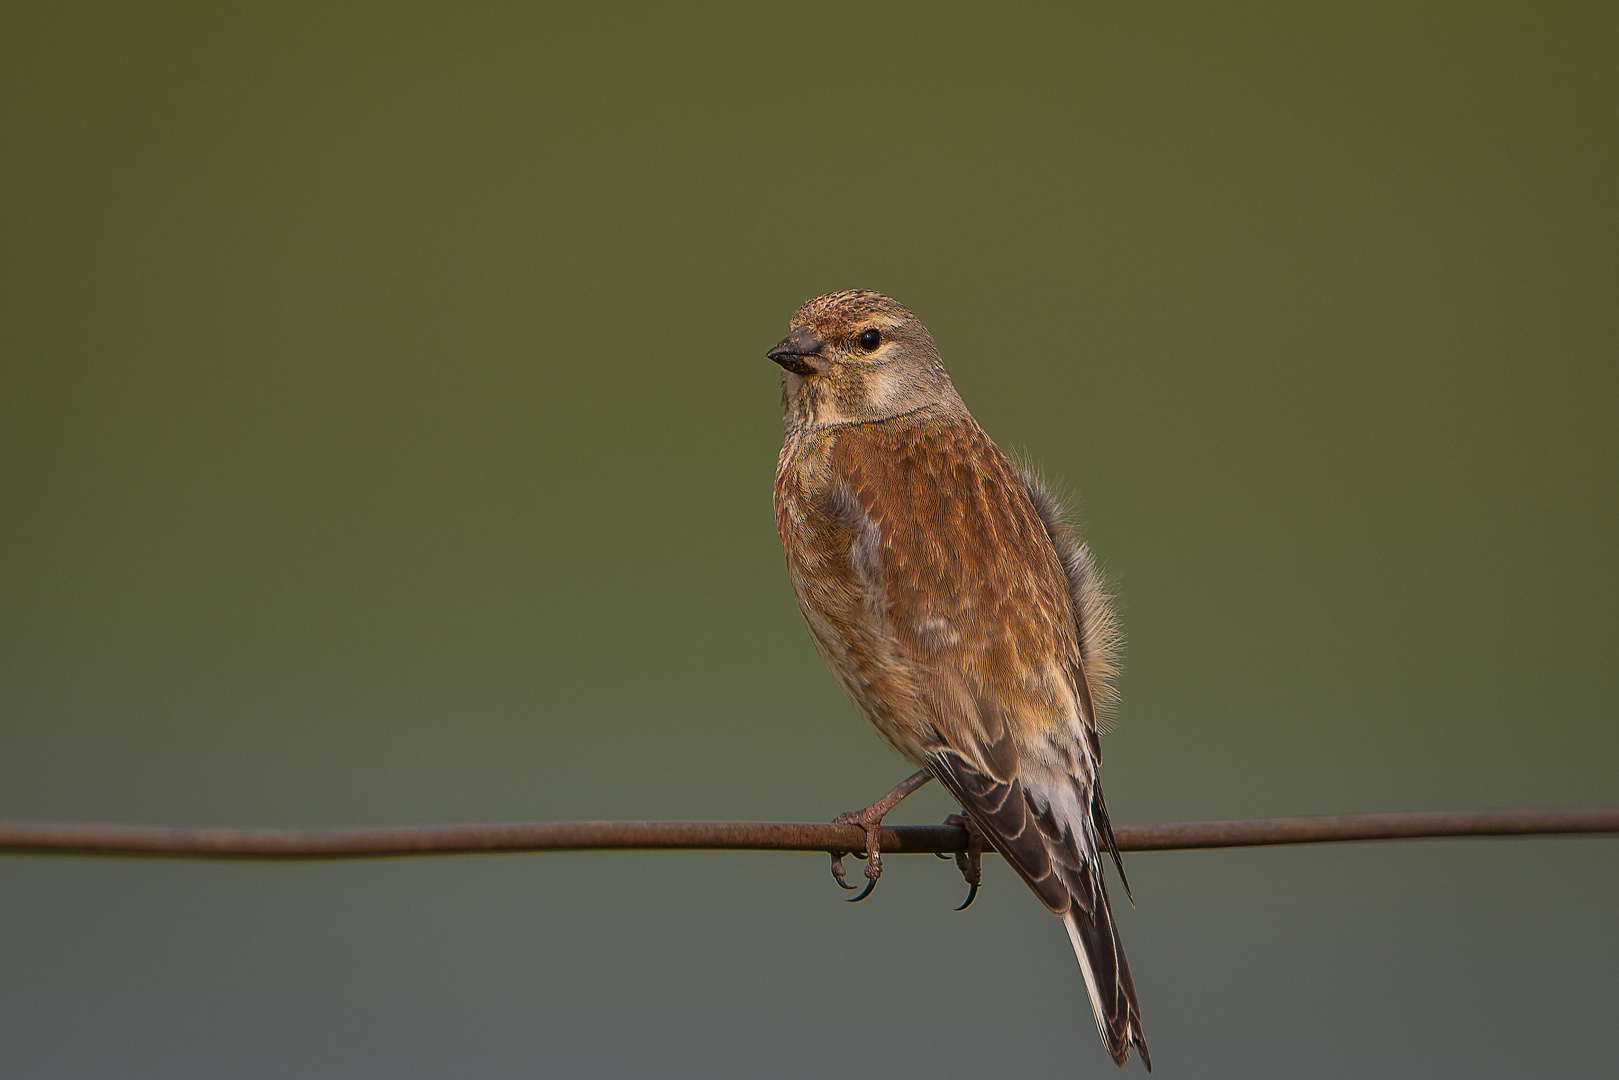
871	820
969	862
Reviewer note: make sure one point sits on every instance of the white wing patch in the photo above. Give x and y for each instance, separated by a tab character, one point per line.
937	633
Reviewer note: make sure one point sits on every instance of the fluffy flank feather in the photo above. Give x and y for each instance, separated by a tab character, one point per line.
1099	633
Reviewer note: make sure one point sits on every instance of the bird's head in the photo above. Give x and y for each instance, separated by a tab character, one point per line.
858	356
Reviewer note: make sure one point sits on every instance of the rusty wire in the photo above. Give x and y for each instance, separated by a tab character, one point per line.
47	838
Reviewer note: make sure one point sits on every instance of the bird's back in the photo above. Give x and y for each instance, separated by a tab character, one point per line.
917	557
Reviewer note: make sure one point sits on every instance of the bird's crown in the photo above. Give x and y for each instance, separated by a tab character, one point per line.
852	306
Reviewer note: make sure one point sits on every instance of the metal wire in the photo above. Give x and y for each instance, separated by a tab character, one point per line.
47	838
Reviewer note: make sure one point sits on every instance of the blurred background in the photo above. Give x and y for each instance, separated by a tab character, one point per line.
386	437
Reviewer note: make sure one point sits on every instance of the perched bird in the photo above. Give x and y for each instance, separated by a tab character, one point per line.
949	596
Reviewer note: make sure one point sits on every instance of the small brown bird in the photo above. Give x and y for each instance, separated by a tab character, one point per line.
953	603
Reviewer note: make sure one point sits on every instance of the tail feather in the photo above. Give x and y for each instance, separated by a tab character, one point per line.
1047	832
1107	978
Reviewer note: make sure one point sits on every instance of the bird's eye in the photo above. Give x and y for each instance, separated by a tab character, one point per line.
870	340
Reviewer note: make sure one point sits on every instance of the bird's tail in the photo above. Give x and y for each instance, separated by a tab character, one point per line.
1052	831
1107	974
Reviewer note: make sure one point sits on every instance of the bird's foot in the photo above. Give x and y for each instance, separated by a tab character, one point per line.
971	861
870	821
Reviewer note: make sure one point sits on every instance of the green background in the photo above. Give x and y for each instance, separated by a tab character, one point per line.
386	437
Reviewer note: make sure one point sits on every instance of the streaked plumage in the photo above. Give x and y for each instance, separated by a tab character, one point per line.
952	602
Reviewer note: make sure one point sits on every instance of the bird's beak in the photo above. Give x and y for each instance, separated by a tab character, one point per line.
793	350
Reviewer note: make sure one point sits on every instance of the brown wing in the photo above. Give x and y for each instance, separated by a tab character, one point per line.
969	581
963	566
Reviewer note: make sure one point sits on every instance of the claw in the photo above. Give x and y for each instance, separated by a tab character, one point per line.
969	862
874	864
837	871
874	861
870	821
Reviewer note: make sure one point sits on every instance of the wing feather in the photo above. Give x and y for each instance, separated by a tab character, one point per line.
1002	634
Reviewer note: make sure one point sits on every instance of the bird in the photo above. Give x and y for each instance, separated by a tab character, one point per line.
951	599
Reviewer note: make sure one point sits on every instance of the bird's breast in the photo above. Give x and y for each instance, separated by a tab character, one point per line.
846	616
